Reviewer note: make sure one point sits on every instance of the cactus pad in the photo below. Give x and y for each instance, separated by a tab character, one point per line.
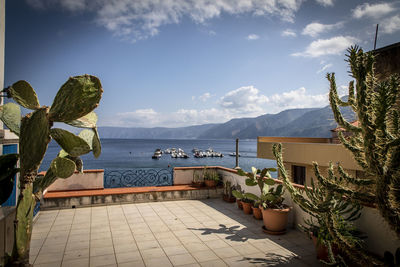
76	98
23	228
62	167
72	144
42	182
11	116
96	145
23	93
87	135
87	121
34	138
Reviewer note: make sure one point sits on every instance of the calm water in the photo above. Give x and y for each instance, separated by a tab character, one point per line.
136	153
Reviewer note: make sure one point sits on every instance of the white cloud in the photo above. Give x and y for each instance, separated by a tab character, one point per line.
325	67
325	2
246	101
138	20
315	28
390	25
204	97
289	33
373	10
333	46
297	99
252	37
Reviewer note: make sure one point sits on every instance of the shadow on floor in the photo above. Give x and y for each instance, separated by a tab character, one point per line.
233	233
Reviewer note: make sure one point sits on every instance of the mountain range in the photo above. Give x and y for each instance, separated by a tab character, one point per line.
305	122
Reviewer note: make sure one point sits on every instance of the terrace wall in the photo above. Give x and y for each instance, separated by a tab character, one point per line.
380	237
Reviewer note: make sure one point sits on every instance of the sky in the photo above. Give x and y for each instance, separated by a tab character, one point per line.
174	63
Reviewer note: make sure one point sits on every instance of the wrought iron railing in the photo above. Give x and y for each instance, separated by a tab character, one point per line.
138	177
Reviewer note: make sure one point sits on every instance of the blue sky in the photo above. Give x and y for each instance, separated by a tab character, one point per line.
189	62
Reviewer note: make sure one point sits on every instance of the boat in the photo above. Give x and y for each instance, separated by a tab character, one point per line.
157	154
233	154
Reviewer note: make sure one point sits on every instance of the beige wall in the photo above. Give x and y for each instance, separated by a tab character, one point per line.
89	179
306	153
380	237
7	216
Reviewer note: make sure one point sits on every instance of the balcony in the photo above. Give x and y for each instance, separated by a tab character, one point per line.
171	233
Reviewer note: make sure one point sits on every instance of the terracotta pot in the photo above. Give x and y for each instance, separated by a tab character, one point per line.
322	250
239	204
247	207
257	213
229	199
210	183
197	184
275	220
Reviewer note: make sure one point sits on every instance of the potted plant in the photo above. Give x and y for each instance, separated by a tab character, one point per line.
274	212
257	214
228	188
198	180
211	177
237	196
246	200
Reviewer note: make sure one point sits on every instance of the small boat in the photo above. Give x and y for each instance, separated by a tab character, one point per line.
157	154
233	154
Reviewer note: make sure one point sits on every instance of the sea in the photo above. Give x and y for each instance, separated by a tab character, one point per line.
124	154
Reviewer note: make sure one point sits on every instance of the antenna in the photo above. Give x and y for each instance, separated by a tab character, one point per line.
376	35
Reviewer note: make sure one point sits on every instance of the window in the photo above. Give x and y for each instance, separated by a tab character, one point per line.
299	174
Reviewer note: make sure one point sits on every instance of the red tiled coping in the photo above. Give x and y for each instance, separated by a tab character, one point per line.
84	171
119	191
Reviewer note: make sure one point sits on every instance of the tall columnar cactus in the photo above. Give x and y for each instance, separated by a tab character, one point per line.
331	215
74	105
375	142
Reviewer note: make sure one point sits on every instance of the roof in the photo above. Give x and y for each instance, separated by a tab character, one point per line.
341	129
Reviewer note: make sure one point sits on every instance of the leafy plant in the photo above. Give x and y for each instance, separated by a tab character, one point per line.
211	174
270	197
228	188
245	197
73	105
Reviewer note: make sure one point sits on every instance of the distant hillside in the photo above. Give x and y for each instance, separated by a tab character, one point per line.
307	122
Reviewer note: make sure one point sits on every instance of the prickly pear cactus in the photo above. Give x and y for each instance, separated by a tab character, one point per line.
76	98
73	104
23	93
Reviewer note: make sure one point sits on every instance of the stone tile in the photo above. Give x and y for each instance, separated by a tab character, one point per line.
132	264
182	259
214	263
99	251
144	237
51	264
77	245
246	249
169	242
175	250
226	252
152	253
205	255
142	245
128	257
217	243
193	247
104	260
76	254
157	262
49	257
84	262
97	243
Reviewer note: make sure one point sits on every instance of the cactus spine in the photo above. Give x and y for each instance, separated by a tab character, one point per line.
73	104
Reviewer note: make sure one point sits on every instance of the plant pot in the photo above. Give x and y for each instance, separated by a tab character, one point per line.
275	220
322	250
257	214
239	204
210	183
229	199
247	207
197	184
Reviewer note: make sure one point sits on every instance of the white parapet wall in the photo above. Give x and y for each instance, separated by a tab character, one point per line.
89	179
380	237
7	217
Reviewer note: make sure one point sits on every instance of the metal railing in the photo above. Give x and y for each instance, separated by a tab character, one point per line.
138	177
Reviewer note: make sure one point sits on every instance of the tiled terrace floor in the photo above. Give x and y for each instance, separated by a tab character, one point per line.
161	234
